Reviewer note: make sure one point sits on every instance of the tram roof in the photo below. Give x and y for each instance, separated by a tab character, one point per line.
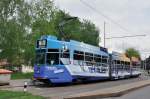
75	45
87	48
120	57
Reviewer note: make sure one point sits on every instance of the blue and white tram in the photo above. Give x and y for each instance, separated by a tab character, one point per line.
135	70
120	66
62	62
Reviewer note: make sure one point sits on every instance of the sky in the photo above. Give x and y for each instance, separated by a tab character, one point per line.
130	17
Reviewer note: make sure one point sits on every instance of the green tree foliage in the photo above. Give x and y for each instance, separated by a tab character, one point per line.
22	23
131	52
13	20
84	31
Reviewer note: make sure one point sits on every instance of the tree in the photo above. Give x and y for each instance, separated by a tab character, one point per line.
84	31
131	52
22	22
14	20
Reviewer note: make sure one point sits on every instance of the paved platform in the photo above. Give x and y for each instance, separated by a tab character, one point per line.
110	92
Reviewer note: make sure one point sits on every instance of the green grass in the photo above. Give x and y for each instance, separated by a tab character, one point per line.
21	75
17	95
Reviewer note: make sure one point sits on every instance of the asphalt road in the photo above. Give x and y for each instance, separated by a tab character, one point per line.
62	91
143	93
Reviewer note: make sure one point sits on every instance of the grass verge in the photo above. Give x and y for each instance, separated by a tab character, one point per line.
17	95
21	75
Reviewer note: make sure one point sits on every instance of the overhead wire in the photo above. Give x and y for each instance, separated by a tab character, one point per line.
126	36
105	16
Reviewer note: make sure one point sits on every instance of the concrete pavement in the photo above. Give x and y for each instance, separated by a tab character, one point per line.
110	92
143	93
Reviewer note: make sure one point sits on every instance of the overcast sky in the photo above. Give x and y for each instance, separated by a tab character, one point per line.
133	15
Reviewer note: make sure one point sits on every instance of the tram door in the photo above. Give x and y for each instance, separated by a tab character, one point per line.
118	68
115	68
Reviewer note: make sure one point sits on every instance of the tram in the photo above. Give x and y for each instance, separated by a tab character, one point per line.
70	61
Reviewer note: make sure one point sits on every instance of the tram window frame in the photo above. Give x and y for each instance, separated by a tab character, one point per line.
115	62
55	53
121	62
88	56
119	65
40	58
127	64
104	59
65	54
97	58
89	59
78	55
41	52
43	45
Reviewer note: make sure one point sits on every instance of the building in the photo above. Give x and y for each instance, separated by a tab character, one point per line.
5	76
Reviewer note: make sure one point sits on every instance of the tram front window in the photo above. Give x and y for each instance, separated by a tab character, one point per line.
40	58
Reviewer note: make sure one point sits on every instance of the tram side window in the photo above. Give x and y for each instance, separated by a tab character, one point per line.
53	50
118	62
125	63
53	57
104	59
128	63
78	55
65	54
119	66
97	58
89	59
115	62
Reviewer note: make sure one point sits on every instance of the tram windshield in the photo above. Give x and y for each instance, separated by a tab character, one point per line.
40	57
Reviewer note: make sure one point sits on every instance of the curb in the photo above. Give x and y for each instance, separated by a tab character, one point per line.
110	92
4	83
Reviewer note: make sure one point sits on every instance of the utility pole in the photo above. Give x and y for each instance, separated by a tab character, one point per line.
104	34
